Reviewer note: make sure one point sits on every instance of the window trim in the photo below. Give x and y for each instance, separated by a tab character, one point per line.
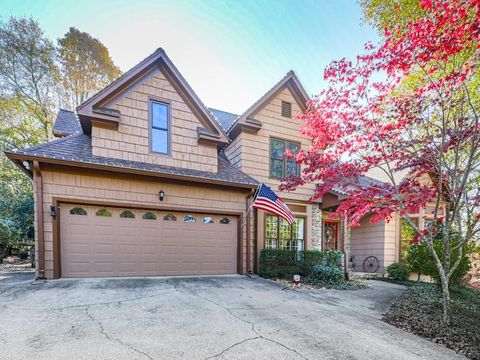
284	164
167	129
278	231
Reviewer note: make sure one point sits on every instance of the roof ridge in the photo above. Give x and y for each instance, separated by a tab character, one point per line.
125	74
289	75
227	112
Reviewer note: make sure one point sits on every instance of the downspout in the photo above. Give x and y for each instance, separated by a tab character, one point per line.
255	241
40	232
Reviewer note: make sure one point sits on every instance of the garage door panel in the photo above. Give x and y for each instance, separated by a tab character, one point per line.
116	245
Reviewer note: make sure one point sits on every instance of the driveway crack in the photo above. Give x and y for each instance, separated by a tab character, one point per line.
232	346
110	338
253	329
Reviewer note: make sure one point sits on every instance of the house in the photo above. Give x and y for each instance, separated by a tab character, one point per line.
145	180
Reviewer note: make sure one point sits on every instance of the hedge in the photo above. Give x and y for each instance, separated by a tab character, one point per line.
285	263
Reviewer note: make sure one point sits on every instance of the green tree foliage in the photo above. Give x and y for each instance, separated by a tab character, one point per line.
8	236
385	14
27	105
32	73
28	71
421	261
86	66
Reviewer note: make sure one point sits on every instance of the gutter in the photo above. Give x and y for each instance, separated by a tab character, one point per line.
84	164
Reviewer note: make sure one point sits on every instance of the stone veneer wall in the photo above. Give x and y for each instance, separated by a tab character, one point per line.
316	227
346	244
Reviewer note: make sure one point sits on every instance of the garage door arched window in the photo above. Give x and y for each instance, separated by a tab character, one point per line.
225	221
189	219
127	214
170	217
149	216
207	220
77	211
103	212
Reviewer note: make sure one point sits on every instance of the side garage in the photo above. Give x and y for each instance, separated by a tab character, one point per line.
98	241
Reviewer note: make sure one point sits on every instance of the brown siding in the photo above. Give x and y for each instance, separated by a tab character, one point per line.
131	140
251	152
134	193
379	239
234	152
368	240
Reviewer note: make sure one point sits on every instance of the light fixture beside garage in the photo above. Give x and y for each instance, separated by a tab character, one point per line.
161	195
53	211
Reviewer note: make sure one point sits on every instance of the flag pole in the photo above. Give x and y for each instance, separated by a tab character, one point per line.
251	204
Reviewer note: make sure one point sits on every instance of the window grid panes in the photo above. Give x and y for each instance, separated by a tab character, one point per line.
280	166
160	127
280	235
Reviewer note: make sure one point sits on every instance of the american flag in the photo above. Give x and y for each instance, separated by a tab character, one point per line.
268	201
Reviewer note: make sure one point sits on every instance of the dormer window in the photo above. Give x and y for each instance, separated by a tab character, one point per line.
160	127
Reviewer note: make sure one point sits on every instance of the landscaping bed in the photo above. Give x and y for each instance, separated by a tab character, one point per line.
419	311
317	269
347	285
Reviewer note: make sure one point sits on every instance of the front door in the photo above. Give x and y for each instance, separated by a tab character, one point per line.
330	235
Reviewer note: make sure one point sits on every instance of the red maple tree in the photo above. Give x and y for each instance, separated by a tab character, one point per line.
409	109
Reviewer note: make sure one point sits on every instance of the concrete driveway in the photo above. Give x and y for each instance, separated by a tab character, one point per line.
199	318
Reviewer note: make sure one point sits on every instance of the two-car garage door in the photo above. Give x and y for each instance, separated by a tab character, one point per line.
97	241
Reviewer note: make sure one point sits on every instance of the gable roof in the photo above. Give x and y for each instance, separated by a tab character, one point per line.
291	81
225	119
93	108
66	124
76	150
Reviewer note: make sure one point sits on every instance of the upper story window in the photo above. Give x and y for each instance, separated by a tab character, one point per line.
286	109
160	127
280	166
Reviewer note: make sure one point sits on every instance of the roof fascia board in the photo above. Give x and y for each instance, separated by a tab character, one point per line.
159	59
291	82
75	164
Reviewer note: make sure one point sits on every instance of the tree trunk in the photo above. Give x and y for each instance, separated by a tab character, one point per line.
3	253
446	301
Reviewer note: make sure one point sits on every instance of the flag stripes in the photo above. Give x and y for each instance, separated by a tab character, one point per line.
268	201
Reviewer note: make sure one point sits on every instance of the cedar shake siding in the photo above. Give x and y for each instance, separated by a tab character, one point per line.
131	140
132	192
379	239
254	157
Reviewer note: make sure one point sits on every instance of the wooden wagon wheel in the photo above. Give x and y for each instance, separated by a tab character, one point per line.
371	264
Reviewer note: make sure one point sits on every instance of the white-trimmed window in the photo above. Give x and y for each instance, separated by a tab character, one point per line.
279	234
160	127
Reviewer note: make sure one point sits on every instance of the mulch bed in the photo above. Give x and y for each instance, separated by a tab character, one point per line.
351	285
419	311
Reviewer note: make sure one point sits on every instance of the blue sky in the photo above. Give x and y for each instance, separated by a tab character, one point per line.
231	52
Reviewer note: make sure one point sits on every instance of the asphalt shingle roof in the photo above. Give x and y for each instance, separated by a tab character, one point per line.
66	123
223	118
78	148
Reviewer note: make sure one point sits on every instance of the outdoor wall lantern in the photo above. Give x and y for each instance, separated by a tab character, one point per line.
162	195
53	211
